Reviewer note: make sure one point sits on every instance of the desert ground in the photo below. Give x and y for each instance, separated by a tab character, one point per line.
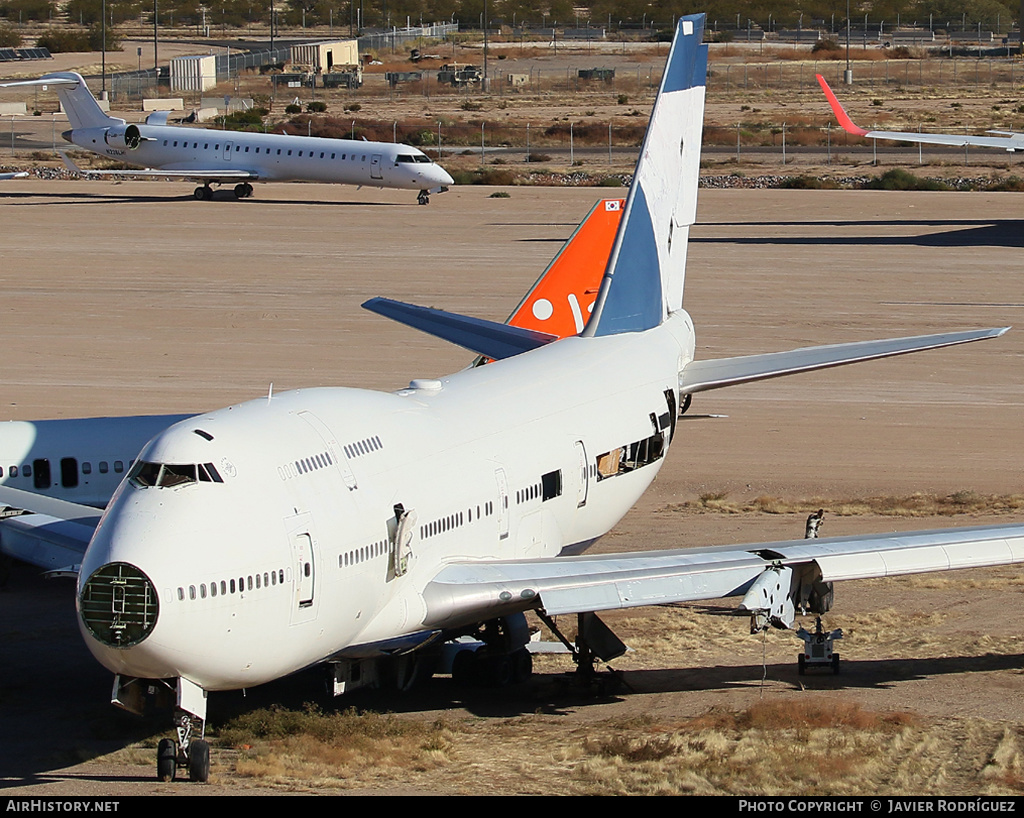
131	298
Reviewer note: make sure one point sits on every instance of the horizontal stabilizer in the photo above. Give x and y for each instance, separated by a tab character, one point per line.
487	338
42	82
700	376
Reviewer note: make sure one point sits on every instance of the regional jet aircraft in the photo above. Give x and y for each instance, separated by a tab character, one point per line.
361	530
1006	140
236	157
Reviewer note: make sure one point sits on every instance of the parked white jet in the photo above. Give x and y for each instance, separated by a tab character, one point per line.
236	157
1006	140
361	530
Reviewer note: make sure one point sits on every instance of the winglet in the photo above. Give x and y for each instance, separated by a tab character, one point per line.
847	124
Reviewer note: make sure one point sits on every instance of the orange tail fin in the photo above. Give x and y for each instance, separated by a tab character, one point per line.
561	300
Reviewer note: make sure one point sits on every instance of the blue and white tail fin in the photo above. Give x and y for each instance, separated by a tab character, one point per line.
643	282
75	98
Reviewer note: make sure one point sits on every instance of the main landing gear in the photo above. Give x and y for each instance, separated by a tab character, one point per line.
204	193
501	660
594	642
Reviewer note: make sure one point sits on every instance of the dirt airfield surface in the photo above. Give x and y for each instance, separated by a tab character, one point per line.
133	298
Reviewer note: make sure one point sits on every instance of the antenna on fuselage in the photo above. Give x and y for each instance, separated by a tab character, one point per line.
270	393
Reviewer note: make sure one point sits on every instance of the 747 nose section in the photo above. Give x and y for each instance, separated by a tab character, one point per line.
118	605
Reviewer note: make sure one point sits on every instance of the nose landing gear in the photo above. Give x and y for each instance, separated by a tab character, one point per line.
423	198
185	753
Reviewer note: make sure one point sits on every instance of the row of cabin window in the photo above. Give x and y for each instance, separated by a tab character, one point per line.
367	552
26	470
238	149
451	521
365	446
529	493
229	586
317	461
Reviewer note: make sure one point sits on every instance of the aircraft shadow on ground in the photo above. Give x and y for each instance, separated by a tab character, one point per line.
552	693
959	233
47	199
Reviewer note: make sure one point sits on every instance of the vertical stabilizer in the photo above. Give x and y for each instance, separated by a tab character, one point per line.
564	295
644	279
75	98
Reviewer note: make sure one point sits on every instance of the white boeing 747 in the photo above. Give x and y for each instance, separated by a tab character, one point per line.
235	157
360	531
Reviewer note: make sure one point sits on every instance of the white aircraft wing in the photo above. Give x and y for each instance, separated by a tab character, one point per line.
1008	140
699	376
465	591
164	173
44	531
19	175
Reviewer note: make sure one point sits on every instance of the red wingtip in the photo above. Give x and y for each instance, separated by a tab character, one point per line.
847	124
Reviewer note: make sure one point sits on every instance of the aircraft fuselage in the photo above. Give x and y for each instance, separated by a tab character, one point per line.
283	554
267	156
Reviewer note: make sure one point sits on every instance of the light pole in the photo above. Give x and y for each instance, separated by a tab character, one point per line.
103	47
156	61
848	73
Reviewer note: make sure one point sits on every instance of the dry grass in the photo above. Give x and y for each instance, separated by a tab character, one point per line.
799	746
912	505
281	745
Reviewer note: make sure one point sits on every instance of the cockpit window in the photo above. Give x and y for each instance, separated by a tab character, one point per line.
169	475
406	158
172	475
